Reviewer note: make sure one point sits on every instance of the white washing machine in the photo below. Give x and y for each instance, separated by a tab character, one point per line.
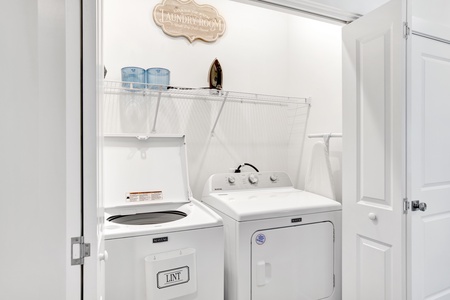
280	242
161	243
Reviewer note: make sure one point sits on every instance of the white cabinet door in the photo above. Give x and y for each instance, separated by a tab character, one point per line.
429	174
374	72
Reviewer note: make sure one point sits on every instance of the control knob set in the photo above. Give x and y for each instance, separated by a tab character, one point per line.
252	179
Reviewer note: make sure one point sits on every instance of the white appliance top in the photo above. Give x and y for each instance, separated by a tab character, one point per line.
145	170
263	195
198	216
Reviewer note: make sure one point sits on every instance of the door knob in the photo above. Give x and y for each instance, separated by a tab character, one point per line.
417	205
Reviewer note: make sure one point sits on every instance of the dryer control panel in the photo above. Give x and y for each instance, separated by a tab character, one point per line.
248	180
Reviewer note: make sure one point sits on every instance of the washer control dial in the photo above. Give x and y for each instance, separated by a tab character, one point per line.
273	178
252	179
231	180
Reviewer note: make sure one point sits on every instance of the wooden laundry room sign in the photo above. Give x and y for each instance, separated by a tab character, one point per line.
189	19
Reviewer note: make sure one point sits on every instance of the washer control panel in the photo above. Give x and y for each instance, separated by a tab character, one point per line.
247	180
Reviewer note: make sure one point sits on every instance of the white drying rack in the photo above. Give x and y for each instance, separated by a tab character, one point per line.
326	137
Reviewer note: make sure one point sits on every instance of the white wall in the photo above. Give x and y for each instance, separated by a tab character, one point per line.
32	156
431	18
262	51
316	69
254	43
437	11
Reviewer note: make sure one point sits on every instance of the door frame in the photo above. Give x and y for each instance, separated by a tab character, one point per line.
92	204
74	218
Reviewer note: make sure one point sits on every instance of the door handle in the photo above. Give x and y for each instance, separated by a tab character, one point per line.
103	256
263	273
417	205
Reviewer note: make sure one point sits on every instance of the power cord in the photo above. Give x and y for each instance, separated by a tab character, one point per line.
238	169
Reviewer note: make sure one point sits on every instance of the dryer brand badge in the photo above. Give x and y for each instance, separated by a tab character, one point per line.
260	239
161	239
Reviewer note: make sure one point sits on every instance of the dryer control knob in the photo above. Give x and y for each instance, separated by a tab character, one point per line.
273	178
231	180
253	179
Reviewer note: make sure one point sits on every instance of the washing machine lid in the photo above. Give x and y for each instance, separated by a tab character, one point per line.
139	219
269	203
145	169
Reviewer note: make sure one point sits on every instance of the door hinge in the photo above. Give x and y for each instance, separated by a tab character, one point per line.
334	280
405	205
406	30
78	255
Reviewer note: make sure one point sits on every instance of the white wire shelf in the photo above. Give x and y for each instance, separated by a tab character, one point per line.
118	87
149	101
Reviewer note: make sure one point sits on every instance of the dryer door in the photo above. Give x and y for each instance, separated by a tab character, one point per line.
293	263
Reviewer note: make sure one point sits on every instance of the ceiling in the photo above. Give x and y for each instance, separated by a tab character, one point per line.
360	7
334	10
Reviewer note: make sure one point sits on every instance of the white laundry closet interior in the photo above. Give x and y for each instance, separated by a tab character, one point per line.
263	52
281	81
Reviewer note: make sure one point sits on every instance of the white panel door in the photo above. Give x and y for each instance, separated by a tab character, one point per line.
374	155
429	176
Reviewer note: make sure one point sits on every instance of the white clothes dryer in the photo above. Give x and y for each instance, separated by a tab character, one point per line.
161	243
280	242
